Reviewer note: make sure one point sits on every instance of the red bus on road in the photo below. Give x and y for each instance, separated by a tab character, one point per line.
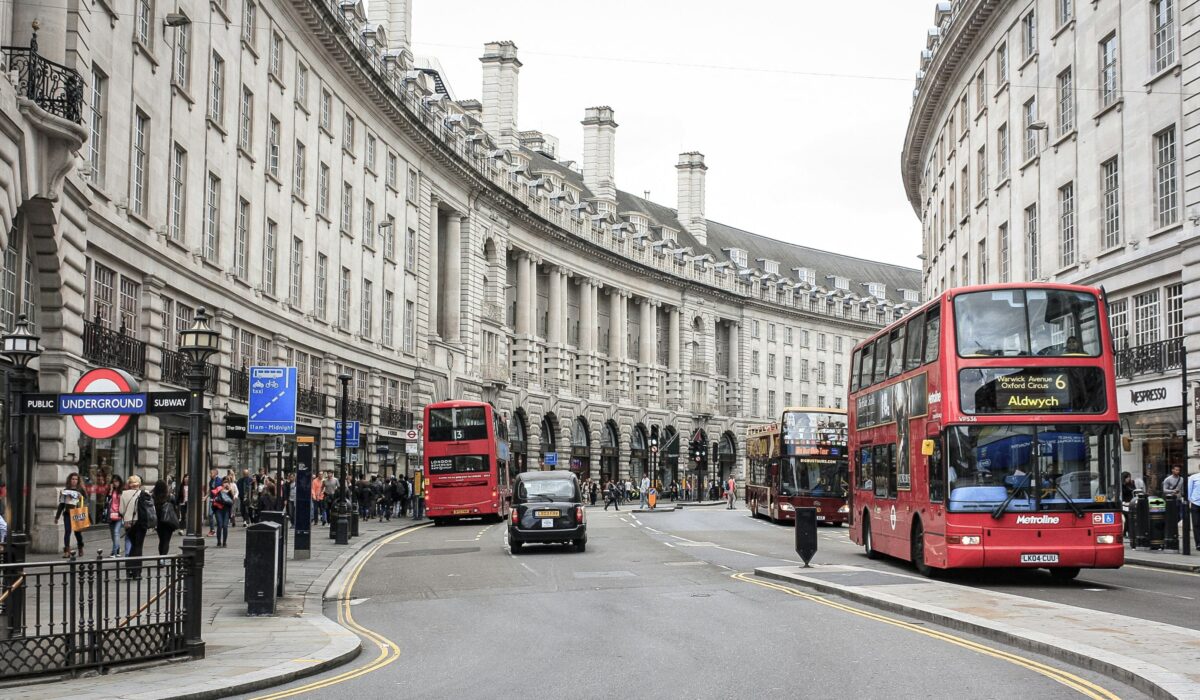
984	433
466	461
804	464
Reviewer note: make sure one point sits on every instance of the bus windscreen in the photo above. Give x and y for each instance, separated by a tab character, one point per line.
449	424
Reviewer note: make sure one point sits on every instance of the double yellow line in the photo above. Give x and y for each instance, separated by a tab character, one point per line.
1072	681
388	650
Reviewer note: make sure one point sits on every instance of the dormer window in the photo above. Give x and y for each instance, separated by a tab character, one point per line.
739	257
877	290
842	283
912	296
771	267
805	275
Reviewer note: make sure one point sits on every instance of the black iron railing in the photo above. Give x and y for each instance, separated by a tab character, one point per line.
1150	358
91	614
174	370
239	383
108	348
311	401
356	409
395	418
54	87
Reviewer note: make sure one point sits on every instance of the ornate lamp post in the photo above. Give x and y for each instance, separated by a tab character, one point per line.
21	346
343	498
197	344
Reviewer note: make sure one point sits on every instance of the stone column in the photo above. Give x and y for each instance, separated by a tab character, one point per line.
734	390
452	304
585	365
554	324
523	294
434	266
647	376
673	357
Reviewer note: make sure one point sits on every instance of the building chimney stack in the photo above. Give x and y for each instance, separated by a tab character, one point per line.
690	203
500	69
599	153
396	17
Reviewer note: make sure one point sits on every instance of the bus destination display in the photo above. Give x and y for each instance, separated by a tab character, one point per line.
1032	390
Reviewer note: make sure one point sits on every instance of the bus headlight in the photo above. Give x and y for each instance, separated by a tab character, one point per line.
844	509
1106	539
787	507
963	539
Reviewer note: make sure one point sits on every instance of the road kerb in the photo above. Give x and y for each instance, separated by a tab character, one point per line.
1145	676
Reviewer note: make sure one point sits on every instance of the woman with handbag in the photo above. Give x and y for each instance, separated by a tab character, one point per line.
168	516
70	502
222	503
112	514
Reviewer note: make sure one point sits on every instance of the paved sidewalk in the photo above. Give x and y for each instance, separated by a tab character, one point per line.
242	653
1163	559
1158	659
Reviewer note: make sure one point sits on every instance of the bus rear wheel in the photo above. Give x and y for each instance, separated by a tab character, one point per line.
918	551
1064	574
868	544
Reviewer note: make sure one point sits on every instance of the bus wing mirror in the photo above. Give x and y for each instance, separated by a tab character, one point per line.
927	448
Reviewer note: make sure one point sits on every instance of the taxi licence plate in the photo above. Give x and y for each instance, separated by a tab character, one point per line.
547	522
1039	558
547	513
461	511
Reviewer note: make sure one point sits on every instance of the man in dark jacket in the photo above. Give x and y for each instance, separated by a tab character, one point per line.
245	495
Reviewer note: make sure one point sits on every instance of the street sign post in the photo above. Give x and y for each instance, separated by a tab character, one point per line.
353	435
272	400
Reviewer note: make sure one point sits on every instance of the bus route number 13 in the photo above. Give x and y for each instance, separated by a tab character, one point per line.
458	435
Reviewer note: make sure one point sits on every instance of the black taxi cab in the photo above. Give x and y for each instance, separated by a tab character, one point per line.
547	508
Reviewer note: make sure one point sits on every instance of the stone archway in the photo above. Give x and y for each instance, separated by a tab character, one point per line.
581	449
518	441
726	455
549	440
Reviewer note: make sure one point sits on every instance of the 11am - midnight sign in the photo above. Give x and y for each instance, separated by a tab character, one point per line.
272	401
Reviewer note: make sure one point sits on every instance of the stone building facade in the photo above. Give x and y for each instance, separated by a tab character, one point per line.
1054	140
289	165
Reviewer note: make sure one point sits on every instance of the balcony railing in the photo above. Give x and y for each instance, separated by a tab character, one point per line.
311	402
1150	358
239	383
108	348
356	409
52	86
175	366
392	417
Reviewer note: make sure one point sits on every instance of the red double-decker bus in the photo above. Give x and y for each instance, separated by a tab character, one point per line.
984	433
799	462
466	461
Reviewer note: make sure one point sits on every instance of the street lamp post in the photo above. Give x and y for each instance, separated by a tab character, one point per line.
343	503
197	344
21	346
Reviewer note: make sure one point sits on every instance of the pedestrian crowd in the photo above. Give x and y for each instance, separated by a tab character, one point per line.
615	492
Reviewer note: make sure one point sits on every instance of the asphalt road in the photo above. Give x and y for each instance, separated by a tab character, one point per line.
650	610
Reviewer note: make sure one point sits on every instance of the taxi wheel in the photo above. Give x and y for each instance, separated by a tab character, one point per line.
515	546
580	545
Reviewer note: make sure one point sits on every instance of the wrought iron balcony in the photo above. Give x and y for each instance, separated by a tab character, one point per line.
108	348
1151	358
239	383
175	366
392	417
52	86
356	409
311	402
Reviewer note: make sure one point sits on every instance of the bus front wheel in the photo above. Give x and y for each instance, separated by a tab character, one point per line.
868	544
1064	574
918	551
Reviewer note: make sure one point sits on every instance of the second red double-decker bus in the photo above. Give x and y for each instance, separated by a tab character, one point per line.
466	461
984	433
799	462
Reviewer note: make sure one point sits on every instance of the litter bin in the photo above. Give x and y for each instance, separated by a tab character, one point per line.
1158	522
279	517
261	567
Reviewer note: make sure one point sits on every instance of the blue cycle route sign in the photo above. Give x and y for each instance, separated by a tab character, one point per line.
353	433
272	401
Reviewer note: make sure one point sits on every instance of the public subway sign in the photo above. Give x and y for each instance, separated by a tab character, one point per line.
113	401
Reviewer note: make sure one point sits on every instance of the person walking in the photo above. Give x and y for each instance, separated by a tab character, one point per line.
1193	497
112	515
731	491
135	528
644	491
214	482
318	500
245	490
222	500
331	494
167	513
612	496
268	500
405	490
70	497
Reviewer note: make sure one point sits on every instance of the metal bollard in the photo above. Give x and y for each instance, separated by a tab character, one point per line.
1141	533
1171	541
343	530
354	524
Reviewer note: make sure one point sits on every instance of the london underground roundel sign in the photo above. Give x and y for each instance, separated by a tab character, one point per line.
104	381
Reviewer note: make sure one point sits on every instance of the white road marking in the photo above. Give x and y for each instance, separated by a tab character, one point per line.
669	545
738	551
650	529
527	567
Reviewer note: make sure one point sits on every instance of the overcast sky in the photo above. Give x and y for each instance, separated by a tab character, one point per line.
799	107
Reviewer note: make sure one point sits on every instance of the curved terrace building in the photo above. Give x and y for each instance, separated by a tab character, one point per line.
1047	141
290	166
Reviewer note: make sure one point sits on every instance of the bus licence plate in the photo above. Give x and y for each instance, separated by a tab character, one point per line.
462	511
547	513
1039	558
